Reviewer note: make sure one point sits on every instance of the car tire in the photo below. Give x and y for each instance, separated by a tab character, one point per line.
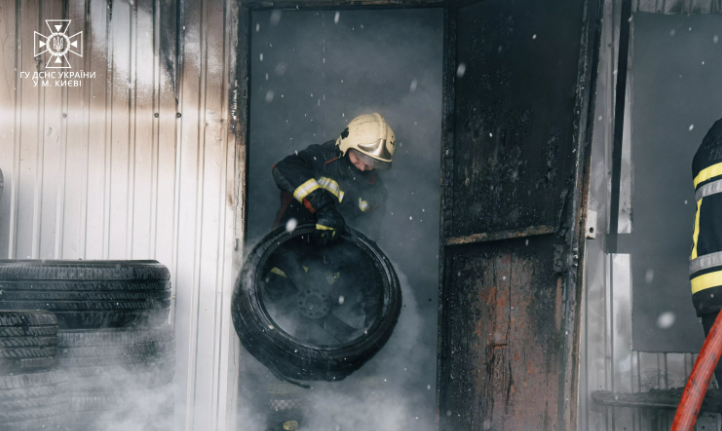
88	294
33	395
28	341
287	358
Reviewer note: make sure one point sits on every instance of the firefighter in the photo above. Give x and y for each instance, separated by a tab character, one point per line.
705	265
333	185
337	182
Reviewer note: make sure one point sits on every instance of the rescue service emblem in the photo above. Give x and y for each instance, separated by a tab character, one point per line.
58	44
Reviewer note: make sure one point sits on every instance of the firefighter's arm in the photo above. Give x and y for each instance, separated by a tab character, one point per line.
295	174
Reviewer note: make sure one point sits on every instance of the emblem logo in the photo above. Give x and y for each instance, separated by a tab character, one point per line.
58	44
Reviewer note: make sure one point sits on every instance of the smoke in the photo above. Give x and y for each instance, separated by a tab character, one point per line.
147	410
380	396
389	393
119	385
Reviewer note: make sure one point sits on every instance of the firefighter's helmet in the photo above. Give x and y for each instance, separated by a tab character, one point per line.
372	138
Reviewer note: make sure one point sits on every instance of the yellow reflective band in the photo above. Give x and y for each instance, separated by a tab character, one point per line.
706	281
695	236
363	205
332	186
708	173
304	189
322	227
305	268
277	271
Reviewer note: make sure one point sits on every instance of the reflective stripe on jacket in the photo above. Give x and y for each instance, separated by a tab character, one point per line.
317	176
705	265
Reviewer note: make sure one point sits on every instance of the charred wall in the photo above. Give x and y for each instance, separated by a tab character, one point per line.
516	129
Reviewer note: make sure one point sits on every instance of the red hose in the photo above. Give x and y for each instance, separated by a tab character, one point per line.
698	382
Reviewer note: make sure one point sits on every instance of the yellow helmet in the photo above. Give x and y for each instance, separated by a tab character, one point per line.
372	138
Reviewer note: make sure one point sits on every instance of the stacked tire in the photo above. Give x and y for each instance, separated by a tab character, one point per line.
33	394
113	341
88	294
120	377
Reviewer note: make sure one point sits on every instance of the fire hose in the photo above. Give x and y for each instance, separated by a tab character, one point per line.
698	381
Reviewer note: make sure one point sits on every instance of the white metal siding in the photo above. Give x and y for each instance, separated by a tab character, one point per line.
91	172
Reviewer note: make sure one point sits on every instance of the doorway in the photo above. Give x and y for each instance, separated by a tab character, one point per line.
311	72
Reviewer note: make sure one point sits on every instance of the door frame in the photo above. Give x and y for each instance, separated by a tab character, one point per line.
239	121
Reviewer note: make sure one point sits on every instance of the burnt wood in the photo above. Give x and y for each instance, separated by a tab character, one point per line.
517	104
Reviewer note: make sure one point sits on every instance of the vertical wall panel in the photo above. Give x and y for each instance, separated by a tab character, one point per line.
163	220
237	113
52	156
144	147
8	120
120	171
190	202
26	230
139	162
212	142
75	136
97	49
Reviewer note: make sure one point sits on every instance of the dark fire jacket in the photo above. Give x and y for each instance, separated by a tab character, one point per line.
317	175
705	265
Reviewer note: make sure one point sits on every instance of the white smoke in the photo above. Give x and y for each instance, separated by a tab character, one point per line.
378	397
150	409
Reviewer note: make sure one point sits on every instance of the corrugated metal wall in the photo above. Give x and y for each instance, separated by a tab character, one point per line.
138	162
608	362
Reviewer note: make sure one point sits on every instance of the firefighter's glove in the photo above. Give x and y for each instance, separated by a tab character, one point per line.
329	224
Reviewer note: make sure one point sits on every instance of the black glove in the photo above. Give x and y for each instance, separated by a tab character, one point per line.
329	224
